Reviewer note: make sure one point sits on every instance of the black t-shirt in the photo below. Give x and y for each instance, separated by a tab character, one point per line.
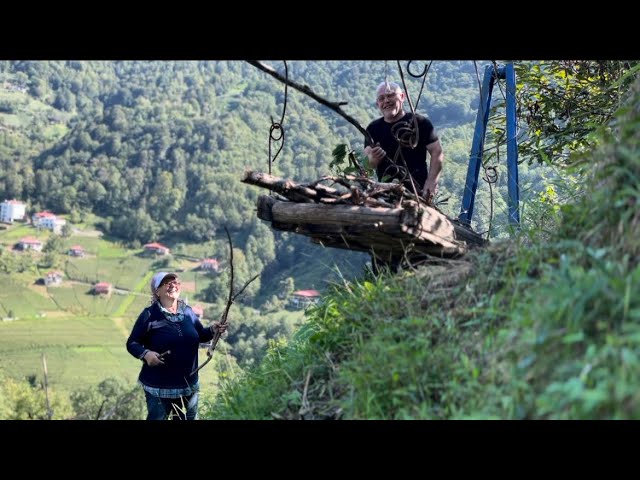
385	134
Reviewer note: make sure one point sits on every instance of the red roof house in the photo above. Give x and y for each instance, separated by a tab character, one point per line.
102	288
156	248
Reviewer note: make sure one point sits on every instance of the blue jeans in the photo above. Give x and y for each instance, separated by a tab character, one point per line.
159	408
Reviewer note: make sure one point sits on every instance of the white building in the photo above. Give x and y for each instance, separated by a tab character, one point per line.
30	243
11	210
53	278
156	248
49	221
304	298
210	264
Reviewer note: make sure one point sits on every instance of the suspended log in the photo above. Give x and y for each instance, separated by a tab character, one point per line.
384	231
324	215
320	214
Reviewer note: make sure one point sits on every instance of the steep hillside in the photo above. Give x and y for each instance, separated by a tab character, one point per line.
545	325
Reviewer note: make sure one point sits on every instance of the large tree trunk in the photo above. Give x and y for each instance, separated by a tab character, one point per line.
385	232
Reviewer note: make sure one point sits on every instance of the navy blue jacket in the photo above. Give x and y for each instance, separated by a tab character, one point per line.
153	331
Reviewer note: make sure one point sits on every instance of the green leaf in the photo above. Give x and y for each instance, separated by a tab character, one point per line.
573	338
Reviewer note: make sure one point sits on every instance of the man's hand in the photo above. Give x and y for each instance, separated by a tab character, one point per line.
429	192
153	359
429	197
375	154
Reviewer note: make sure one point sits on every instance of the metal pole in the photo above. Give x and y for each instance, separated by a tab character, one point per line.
512	147
475	159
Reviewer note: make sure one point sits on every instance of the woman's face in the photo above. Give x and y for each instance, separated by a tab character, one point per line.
170	289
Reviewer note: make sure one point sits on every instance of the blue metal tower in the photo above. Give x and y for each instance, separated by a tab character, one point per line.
492	74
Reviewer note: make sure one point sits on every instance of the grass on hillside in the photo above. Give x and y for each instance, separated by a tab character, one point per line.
17	231
80	351
28	112
18	300
122	272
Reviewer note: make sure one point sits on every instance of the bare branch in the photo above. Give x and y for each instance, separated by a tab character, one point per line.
335	106
242	289
231	298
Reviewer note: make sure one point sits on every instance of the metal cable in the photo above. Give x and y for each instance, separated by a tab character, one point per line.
276	131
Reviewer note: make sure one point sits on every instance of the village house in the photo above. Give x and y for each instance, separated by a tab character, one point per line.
76	251
102	288
11	210
14	87
53	278
304	298
49	221
156	248
30	243
210	264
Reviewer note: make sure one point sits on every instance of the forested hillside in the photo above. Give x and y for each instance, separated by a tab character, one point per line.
157	149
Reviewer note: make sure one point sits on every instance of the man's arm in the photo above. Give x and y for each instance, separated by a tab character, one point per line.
435	168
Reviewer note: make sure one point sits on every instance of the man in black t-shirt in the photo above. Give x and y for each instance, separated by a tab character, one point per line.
399	149
400	144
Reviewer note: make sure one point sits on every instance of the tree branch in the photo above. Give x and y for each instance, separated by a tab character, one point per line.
307	91
232	297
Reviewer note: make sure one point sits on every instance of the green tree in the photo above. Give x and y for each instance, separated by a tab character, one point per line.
562	103
66	230
54	244
111	399
49	260
20	400
64	101
287	287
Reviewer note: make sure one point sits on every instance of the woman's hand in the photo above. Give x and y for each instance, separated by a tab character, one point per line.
218	327
153	359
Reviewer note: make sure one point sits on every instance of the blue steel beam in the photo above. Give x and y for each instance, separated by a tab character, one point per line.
477	148
475	159
512	147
